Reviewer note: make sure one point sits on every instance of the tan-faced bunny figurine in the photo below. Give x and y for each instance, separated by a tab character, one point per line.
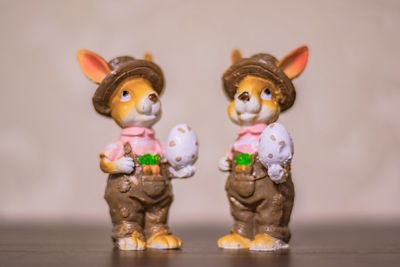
260	188
138	191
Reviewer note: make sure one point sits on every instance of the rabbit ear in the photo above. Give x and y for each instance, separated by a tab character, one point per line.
235	55
294	62
148	56
93	65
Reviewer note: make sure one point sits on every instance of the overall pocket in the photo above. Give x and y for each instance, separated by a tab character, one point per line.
244	186
153	185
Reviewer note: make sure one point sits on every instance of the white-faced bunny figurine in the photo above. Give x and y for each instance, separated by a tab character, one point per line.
260	188
138	191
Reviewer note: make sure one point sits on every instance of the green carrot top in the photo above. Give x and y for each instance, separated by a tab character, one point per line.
148	159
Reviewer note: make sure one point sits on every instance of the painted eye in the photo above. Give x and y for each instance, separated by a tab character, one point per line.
266	95
125	96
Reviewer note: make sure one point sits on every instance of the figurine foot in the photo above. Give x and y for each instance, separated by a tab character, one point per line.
134	242
234	241
164	240
264	242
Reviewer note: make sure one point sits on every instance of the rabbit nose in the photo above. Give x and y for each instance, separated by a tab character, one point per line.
244	96
153	98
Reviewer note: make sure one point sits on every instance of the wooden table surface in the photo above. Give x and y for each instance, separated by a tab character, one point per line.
80	245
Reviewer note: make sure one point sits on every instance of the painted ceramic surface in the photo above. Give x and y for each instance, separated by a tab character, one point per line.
182	146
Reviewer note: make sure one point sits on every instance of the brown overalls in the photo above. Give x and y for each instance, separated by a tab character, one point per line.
139	202
258	205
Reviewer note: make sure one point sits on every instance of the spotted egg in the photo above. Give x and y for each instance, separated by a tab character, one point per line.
275	145
182	146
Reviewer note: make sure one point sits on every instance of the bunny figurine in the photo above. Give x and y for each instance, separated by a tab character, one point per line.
260	188
138	191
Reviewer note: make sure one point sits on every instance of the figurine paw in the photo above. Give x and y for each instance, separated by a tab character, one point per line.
264	242
234	241
184	172
224	164
277	173
125	165
135	242
164	241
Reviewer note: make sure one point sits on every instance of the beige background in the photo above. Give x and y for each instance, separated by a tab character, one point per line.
345	123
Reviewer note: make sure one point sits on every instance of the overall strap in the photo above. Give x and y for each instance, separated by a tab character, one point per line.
128	151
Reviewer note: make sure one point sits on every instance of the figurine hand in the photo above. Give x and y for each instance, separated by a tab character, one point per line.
184	172
277	173
224	164
124	165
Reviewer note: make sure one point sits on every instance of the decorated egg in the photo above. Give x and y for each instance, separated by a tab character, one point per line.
275	146
182	146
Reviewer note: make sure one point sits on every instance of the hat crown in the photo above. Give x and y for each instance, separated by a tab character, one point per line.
263	58
116	62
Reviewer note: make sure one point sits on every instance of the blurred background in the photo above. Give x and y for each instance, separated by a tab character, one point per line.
345	123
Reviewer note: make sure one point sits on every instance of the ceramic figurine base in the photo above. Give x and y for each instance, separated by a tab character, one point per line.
259	187
140	168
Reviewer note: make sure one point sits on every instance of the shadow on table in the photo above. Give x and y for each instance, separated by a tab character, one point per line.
238	258
182	258
143	258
